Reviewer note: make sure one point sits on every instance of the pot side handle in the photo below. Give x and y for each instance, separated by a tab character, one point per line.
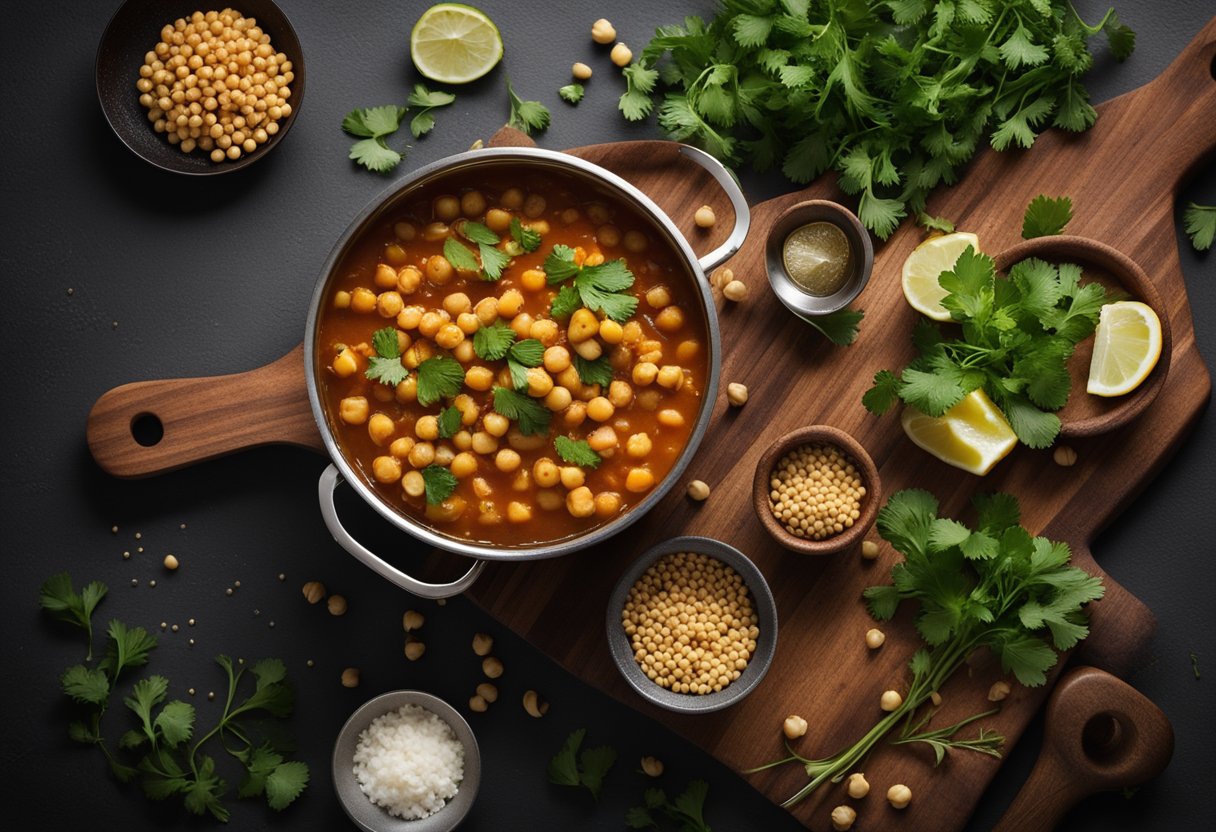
331	478
151	427
743	215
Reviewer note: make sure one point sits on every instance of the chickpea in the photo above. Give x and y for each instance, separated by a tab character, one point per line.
386	276
857	786
446	208
540	383
999	691
534	206
899	796
602	438
496	424
408	280
698	491
463	465
342	300
486	310
468	323
645	373
599	409
580	71
426	427
671	319
875	638
607	503
635	242
688	350
510	303
522	324
435	231
479	378
405	231
603	32
449	336
572	477
438	270
362	300
498	220
472	204
413	484
533	280
843	818
639	445
669	418
891	699
410	317
794	727
386	469
483	443
639	480
521	442
545	330
671	377
575	414
736	394
346	363
704	217
580	502
422	454
583	325
589	349
735	291
462	440
512	198
545	472
620	394
353	410
507	460
611	332
556	359
401	447
658	297
568	378
621	55
608	236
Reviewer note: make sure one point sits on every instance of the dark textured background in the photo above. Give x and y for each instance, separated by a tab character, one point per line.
212	276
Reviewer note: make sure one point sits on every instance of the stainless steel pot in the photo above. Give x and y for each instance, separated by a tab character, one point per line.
540	161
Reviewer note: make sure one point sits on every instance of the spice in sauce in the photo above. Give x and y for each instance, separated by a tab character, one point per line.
818	258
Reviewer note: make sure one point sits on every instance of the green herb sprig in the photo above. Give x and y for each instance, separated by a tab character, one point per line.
576	452
373	125
894	95
171	764
528	116
424	101
385	366
1200	224
572	93
686	811
569	767
599	288
993	586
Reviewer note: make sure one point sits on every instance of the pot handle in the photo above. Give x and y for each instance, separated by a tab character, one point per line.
331	478
743	215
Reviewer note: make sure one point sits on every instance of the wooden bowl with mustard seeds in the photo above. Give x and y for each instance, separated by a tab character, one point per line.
251	113
720	621
816	490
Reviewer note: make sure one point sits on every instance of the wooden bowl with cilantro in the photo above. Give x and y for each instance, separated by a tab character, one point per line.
1122	278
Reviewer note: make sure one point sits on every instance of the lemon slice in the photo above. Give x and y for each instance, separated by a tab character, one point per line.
1127	345
453	43
972	435
926	263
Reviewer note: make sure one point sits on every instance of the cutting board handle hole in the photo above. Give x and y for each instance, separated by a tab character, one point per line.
147	429
1105	738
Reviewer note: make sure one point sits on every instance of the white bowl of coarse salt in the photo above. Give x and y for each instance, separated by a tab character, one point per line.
406	761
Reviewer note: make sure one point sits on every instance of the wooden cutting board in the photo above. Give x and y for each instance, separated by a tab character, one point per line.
1122	176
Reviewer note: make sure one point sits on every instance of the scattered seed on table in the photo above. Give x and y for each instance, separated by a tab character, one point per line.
191	642
210	694
114	325
126	555
310	663
113	529
135	582
171	562
182	526
1064	456
164	625
236	584
139	535
71	292
191	622
271	624
228	591
282	576
869	549
257	613
190	691
152	583
174	628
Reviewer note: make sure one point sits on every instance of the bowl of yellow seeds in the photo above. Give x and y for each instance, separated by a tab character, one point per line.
816	490
692	625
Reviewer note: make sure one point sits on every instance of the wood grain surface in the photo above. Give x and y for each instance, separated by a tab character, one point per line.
1122	176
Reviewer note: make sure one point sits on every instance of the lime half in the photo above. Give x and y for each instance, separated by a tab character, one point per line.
453	43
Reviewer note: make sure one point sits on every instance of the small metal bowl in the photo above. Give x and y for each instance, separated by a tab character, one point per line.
817	435
367	815
131	33
762	602
797	299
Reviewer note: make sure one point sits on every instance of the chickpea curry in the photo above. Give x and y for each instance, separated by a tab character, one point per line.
512	366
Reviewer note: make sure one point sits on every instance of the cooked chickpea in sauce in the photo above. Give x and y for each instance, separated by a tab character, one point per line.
590	403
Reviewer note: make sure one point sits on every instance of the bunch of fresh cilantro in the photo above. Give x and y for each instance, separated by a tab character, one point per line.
171	764
1017	335
994	586
895	95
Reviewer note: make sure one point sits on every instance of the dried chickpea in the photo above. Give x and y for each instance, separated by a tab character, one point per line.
875	638
621	55
483	643
487	692
736	394
794	727
999	691
704	217
414	650
603	32
890	700
492	667
869	549
843	818
698	490
815	491
899	796
580	71
857	785
735	291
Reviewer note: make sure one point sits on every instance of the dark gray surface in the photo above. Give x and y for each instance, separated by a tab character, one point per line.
212	276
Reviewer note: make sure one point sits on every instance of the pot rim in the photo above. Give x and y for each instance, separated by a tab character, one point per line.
569	164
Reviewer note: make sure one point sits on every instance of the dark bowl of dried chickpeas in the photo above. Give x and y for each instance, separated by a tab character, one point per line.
197	89
816	490
692	625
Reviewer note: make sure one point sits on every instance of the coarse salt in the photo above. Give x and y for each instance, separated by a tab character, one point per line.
409	762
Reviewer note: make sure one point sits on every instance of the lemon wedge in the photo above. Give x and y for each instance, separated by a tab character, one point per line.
972	435
453	43
1127	345
926	263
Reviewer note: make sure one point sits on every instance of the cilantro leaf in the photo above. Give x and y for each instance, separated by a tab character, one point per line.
426	100
85	685
601	289
175	722
439	377
559	266
839	327
57	597
491	343
885	392
459	256
567	302
493	261
440	483
374	155
260	762
527	238
449	422
285	784
930	223
563	768
373	122
127	647
571	93
598	371
576	452
1200	224
519	374
531	416
478	233
527	116
386	366
636	102
1046	216
594	764
529	352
